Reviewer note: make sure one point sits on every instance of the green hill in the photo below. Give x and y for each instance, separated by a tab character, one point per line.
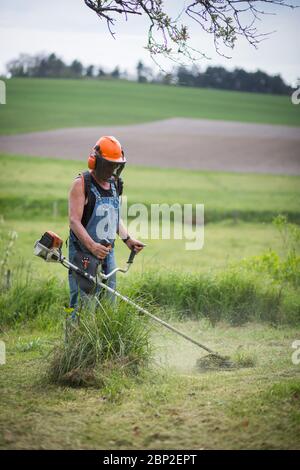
41	104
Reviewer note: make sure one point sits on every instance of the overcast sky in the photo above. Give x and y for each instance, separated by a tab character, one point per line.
70	29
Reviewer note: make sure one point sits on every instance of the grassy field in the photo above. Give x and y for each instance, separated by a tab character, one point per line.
170	406
41	104
33	199
38	183
224	243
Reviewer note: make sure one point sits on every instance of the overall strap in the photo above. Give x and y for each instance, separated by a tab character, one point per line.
87	182
114	187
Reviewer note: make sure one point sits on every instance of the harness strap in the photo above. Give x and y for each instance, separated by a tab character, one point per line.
86	179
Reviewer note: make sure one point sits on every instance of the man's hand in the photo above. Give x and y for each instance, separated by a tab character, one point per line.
100	251
135	245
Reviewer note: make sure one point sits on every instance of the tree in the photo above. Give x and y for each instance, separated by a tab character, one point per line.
101	72
144	73
139	70
89	71
37	66
225	20
238	79
116	72
76	68
24	66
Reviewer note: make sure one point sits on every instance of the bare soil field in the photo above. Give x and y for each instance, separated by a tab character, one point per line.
178	143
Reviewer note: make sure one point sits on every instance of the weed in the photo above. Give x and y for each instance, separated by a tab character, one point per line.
35	344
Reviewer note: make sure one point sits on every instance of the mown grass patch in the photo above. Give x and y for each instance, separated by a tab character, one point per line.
249	408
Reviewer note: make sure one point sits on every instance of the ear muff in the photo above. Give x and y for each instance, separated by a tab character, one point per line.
92	159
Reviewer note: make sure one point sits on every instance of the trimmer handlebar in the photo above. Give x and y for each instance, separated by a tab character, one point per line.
49	248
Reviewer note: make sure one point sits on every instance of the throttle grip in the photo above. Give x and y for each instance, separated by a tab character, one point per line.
105	242
131	257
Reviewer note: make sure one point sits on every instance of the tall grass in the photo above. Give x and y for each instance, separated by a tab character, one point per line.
32	301
112	336
236	296
261	288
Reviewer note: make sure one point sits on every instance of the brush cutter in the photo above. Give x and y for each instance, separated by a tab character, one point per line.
49	248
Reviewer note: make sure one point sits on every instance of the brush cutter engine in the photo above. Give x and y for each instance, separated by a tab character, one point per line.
49	247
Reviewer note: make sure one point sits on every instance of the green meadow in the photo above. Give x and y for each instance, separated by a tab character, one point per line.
39	183
238	209
42	104
239	294
250	313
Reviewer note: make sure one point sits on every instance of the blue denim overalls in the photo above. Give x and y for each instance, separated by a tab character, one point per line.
104	223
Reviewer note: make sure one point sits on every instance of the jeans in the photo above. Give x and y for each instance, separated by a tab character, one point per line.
107	266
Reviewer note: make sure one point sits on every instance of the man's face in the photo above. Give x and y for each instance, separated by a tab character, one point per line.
105	169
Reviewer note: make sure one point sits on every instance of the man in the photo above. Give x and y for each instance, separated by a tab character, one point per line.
94	211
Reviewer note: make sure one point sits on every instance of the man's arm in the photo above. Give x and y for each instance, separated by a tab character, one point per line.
122	232
76	207
132	243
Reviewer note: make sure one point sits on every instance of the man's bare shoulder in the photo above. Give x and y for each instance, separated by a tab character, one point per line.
77	186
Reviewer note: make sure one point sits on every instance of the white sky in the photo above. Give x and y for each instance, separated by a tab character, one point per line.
70	29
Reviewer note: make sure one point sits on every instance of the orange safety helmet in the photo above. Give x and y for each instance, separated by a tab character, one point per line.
108	148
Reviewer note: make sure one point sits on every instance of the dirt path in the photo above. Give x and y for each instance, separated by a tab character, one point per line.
177	142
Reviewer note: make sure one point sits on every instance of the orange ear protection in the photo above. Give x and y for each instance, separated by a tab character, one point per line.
92	160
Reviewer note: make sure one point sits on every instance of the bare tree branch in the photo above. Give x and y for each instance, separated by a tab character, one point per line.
224	20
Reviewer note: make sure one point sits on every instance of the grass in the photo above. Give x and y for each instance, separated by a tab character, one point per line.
171	406
233	296
239	207
224	244
41	104
100	342
30	187
236	295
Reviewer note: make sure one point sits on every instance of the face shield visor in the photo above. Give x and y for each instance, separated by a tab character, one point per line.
106	169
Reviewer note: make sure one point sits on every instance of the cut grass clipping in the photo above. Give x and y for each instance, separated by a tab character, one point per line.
213	362
101	341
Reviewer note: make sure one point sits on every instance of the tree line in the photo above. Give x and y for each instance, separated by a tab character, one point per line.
51	66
